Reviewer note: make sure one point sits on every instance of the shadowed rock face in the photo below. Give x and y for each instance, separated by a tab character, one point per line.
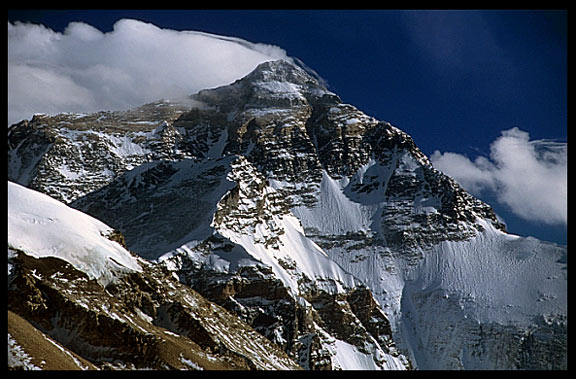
213	194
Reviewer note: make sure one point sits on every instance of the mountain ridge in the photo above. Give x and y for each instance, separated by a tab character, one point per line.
272	181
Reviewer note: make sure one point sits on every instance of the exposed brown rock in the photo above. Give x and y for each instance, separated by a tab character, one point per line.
143	320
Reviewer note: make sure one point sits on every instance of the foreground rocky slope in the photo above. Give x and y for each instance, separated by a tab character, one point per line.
328	231
145	320
140	317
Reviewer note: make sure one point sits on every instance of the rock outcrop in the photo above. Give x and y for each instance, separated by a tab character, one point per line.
146	320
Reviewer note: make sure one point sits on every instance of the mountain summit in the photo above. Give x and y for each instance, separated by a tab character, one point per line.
283	71
325	230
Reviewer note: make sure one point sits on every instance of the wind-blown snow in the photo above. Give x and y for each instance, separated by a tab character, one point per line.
44	227
85	70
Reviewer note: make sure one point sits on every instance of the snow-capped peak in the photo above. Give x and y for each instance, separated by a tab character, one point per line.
279	84
282	71
274	173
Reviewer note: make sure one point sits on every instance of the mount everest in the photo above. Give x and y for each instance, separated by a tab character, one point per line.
268	226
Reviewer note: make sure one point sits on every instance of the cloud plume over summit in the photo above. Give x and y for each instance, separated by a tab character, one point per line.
84	70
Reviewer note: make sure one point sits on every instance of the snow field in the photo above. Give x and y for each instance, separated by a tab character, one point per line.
44	227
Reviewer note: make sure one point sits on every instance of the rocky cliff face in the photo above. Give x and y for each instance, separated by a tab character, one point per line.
146	320
327	231
235	241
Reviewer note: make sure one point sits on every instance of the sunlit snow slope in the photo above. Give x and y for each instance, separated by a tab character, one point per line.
493	301
43	227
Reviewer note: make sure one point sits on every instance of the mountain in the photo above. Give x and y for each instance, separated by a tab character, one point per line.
83	297
325	230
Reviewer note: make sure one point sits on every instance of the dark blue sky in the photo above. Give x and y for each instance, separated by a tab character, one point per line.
453	80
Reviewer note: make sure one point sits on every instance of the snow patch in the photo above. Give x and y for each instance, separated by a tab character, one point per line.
310	260
285	89
17	357
334	213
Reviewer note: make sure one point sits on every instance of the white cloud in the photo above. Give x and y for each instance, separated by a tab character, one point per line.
530	177
85	70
